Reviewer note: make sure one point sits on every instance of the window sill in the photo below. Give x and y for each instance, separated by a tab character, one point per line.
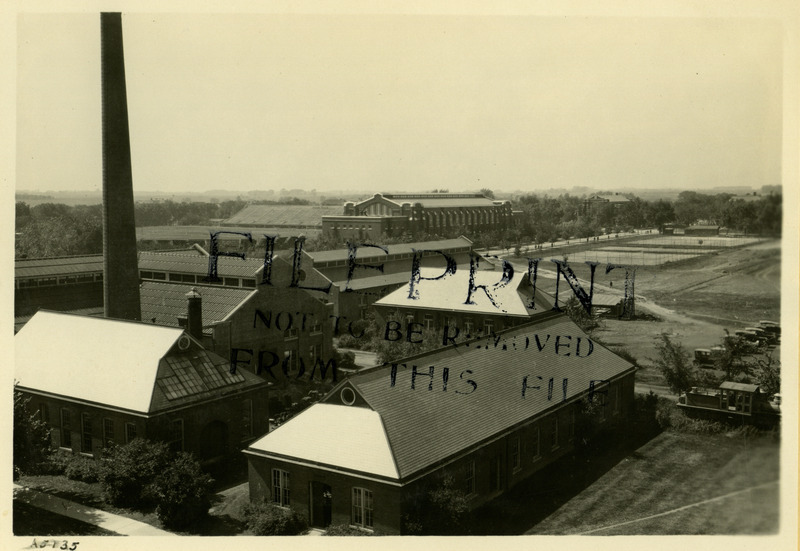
537	458
85	454
65	449
554	448
515	470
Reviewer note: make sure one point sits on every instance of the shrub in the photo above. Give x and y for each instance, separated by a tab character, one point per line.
346	530
126	472
183	492
31	437
78	467
267	519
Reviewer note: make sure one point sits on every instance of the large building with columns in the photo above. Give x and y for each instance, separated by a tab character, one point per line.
393	214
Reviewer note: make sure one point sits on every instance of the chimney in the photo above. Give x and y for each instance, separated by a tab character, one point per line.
195	314
120	262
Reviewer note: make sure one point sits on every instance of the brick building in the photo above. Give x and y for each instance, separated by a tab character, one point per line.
369	284
98	382
441	303
487	414
393	214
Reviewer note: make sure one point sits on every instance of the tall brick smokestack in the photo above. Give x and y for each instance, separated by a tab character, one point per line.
120	263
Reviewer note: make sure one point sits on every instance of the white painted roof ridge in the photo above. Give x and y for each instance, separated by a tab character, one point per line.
449	293
348	437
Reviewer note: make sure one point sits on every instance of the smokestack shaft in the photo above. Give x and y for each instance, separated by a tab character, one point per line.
120	263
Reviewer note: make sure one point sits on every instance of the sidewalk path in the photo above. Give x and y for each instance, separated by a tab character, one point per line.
115	523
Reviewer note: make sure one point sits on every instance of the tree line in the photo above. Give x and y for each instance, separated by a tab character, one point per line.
54	229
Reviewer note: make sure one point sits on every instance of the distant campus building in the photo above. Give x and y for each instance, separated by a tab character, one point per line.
489	414
394	214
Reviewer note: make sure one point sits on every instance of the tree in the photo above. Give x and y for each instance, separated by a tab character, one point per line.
441	510
31	437
127	472
488	193
769	374
183	492
578	314
674	363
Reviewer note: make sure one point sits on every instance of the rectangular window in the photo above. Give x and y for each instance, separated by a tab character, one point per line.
428	321
247	418
316	328
108	432
290	334
362	507
44	413
248	283
290	359
130	432
554	434
468	326
488	327
174	277
571	431
315	353
86	433
496	473
516	463
469	478
536	448
159	275
66	428
231	281
280	487
146	275
176	435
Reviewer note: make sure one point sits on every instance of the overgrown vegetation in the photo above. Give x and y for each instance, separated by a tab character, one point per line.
267	519
347	530
442	510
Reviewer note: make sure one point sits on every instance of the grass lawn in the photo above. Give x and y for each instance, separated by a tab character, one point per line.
86	493
32	521
674	470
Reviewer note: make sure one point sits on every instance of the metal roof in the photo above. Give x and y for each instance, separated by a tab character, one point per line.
194	263
64	265
164	303
294	216
203	233
730	385
339	436
399	248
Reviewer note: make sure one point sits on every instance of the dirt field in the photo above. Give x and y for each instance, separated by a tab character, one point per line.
694	300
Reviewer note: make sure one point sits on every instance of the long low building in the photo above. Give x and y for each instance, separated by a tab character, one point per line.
487	413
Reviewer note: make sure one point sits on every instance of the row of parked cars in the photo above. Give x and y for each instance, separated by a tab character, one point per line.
765	334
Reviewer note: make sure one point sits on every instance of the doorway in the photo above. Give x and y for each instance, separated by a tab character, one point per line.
321	505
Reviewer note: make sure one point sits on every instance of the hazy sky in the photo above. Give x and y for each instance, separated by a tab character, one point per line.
389	102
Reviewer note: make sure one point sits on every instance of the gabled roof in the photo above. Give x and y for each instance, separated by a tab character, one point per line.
133	366
426	427
449	294
164	303
429	426
342	437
